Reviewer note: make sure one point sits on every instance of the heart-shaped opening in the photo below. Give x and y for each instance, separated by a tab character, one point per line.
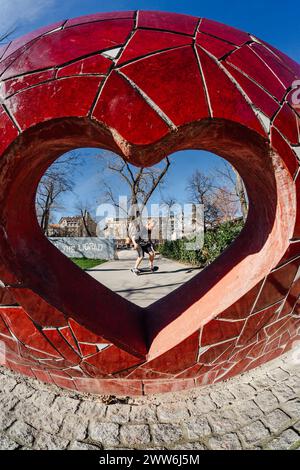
194	203
40	270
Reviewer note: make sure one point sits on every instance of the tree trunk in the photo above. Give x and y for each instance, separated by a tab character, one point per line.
84	216
46	222
46	215
241	193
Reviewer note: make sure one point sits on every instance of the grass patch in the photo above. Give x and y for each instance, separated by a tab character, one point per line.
86	263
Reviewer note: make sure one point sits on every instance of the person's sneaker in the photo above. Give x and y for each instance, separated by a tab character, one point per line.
135	271
154	269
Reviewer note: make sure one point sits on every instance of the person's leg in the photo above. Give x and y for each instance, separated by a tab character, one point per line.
138	262
151	259
139	259
148	250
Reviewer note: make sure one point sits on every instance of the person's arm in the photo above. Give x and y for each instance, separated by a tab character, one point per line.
150	226
135	245
132	235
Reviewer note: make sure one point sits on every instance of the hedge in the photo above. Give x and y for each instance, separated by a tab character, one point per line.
215	242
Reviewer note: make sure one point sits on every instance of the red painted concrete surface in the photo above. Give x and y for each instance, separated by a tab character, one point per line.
145	85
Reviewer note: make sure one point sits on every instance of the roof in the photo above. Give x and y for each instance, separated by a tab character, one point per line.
70	219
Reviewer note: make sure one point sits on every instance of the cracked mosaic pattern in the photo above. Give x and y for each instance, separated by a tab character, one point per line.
144	85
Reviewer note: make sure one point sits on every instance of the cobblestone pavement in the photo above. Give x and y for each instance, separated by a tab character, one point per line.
256	410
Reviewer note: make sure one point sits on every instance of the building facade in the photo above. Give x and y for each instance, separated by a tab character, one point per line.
76	226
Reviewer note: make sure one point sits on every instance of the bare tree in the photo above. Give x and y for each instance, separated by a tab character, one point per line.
168	201
88	224
201	190
241	194
226	203
140	182
56	181
51	188
235	188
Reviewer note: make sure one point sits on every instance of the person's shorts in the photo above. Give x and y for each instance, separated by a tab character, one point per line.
144	248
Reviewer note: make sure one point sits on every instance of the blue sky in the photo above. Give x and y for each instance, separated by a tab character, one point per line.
275	21
89	175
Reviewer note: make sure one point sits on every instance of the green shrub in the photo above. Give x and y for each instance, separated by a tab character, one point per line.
215	242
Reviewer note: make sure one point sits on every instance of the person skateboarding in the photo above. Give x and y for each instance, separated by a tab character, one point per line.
140	245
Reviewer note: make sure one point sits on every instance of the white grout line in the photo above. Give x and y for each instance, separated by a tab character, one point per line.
204	82
235	82
149	101
258	295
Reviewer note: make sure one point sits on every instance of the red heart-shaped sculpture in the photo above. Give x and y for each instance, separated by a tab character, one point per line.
144	85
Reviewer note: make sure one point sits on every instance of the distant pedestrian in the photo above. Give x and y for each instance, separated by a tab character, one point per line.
141	245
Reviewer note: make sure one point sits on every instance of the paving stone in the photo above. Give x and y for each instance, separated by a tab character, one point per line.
8	401
228	441
172	413
22	391
21	433
254	432
294	383
287	361
285	440
242	391
143	414
92	409
266	400
7	444
276	420
292	408
74	427
224	421
189	446
7	383
203	404
248	409
222	398
135	435
104	433
166	433
42	399
46	441
278	374
6	419
82	446
42	419
261	382
297	426
10	373
65	404
197	428
152	447
283	391
118	413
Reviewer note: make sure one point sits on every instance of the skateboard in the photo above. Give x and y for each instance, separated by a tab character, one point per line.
148	270
145	270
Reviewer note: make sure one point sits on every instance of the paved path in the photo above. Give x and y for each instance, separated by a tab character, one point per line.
259	409
146	288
